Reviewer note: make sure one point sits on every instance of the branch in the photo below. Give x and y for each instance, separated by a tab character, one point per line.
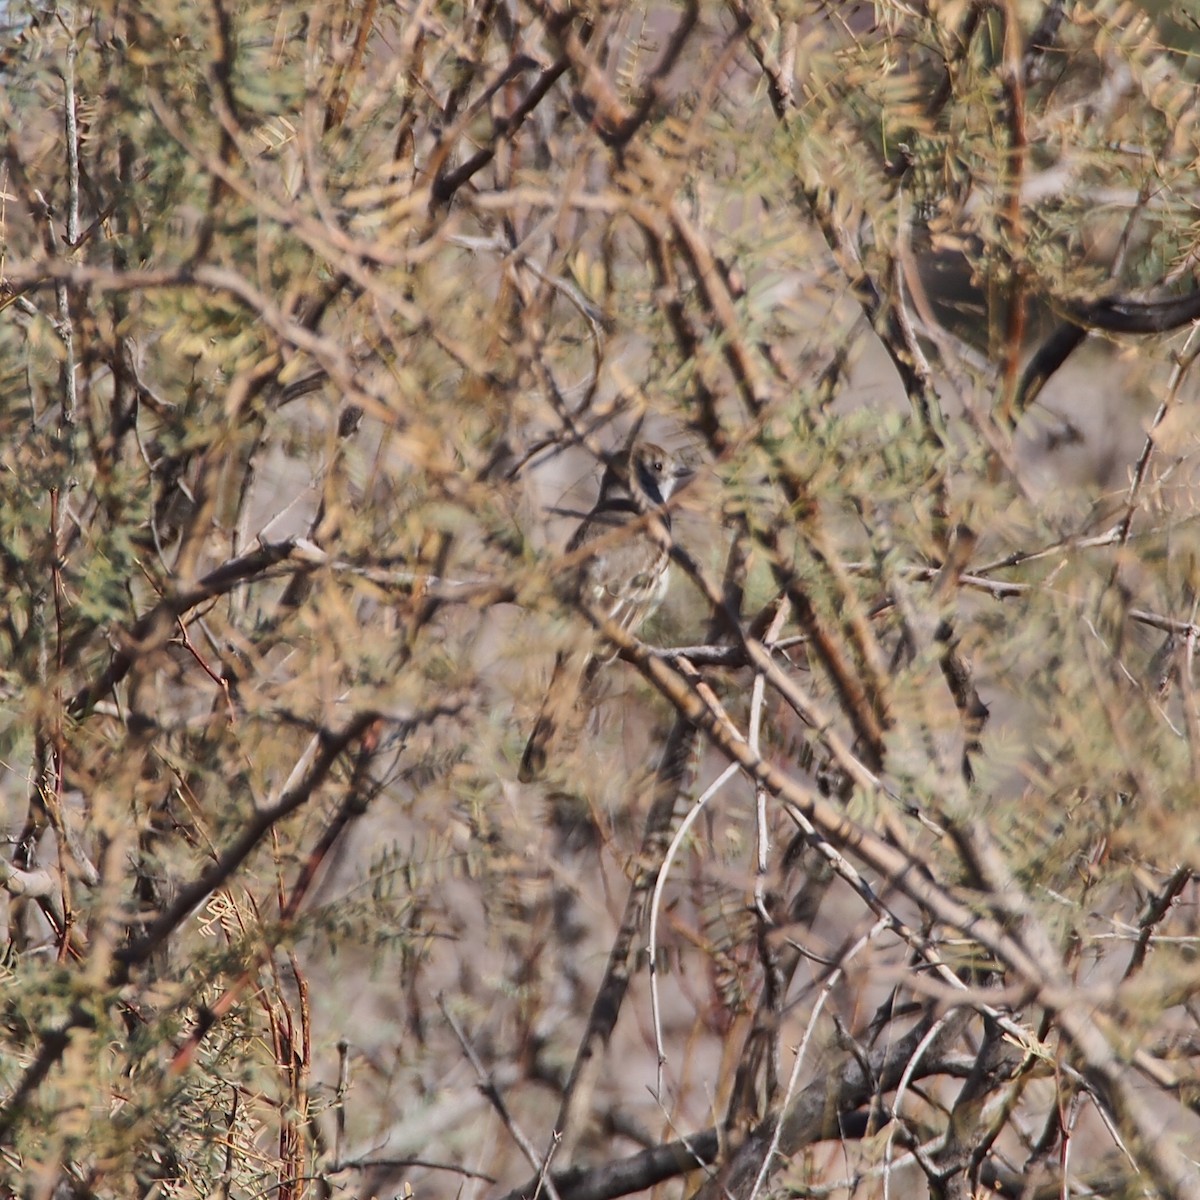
1027	951
153	630
820	1111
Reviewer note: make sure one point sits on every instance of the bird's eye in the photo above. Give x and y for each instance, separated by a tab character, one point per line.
658	466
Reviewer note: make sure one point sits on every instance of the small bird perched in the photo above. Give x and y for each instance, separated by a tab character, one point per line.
626	577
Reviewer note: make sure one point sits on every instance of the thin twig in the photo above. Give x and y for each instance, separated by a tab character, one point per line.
489	1088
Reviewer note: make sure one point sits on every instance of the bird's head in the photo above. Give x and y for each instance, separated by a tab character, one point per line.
654	473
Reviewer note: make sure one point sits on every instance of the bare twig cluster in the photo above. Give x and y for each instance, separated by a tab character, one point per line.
869	867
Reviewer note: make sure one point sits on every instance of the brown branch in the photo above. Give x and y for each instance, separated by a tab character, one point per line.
1156	909
670	782
354	804
1028	951
332	745
54	1042
1012	220
655	84
864	707
153	630
822	1110
339	92
446	183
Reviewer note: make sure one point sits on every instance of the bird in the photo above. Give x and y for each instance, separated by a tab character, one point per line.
625	575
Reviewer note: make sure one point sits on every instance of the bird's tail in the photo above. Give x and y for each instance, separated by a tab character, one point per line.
573	672
533	761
